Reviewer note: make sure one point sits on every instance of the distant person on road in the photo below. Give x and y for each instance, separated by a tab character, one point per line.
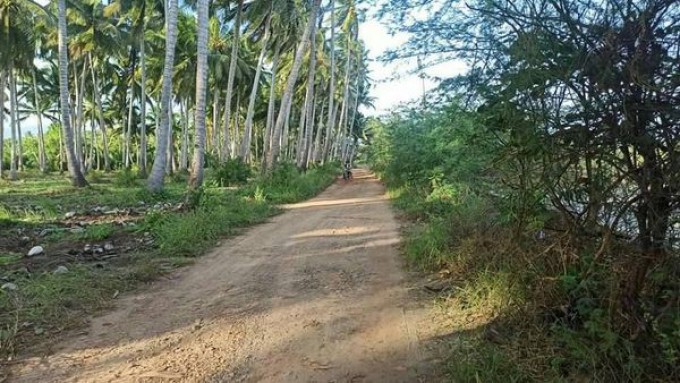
347	171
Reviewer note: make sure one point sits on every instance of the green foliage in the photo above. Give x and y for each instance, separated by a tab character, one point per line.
126	178
188	234
475	207
8	259
232	172
287	184
97	232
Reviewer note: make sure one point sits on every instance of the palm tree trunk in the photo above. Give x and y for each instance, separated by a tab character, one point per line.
287	98
285	137
13	124
232	73
355	106
300	134
214	134
342	124
142	109
170	166
313	154
237	129
130	122
331	95
80	126
77	178
20	140
248	131
42	159
309	103
225	153
3	85
330	133
156	179
272	102
184	144
196	178
100	115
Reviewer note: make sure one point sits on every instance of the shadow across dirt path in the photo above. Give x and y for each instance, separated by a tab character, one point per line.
315	295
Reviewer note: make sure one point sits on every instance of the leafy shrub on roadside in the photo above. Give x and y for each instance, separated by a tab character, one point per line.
232	172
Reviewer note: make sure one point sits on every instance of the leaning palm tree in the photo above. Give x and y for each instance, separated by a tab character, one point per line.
77	178
272	156
248	130
156	179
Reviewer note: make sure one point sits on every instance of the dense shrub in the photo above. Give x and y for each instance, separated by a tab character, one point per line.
232	172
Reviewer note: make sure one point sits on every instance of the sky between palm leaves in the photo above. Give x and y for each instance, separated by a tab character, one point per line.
393	83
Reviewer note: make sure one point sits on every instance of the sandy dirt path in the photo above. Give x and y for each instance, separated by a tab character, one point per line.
315	295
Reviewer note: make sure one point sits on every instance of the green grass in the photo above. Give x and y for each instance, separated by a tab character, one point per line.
45	304
508	290
8	259
97	232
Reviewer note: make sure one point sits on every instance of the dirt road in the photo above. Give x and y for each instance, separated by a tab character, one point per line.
316	295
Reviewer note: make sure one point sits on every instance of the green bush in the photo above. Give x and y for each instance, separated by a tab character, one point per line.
232	172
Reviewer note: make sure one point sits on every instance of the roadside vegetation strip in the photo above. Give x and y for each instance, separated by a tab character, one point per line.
525	298
107	239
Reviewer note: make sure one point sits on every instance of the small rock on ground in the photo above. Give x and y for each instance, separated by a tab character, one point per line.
9	286
36	250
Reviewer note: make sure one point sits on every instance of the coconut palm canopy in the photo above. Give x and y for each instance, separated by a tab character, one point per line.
125	90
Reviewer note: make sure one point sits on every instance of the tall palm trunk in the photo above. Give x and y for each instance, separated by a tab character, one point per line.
155	181
170	159
196	179
300	133
330	134
142	108
309	103
331	93
100	116
287	98
272	102
236	135
355	106
3	85
232	74
342	124
13	124
20	140
225	153
312	153
184	144
214	134
77	178
79	124
42	160
248	130
128	129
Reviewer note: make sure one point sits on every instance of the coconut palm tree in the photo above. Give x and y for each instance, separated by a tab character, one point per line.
77	178
196	179
272	156
156	179
248	129
230	79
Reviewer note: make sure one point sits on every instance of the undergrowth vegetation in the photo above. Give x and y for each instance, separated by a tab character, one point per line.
37	302
530	298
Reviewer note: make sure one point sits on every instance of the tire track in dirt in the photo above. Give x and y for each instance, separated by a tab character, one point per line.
315	295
